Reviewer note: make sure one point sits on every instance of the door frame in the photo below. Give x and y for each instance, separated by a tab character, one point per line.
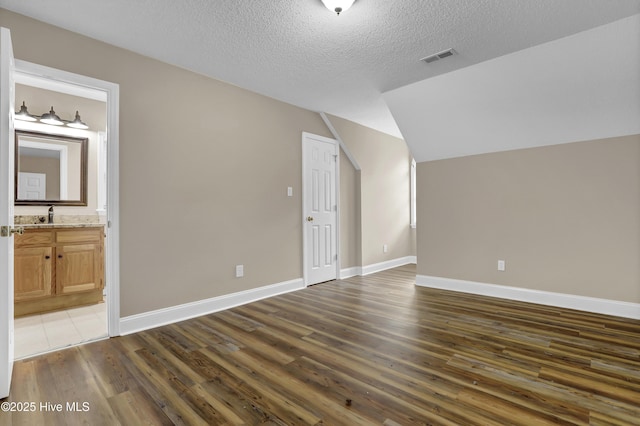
7	86
305	237
112	252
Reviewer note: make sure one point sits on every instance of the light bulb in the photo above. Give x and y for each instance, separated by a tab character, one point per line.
338	6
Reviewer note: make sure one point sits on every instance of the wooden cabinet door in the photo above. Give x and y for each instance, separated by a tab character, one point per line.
32	272
78	268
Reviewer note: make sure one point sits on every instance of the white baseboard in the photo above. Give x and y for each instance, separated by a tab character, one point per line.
350	272
376	267
147	320
581	303
393	263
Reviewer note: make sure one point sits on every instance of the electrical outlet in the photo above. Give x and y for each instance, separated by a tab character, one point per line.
239	271
385	248
289	191
501	265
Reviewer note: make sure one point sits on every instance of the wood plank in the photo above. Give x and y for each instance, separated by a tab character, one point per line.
135	406
238	320
365	350
616	390
255	341
171	393
500	409
266	397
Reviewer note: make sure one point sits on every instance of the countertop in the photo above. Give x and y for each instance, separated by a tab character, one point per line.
60	225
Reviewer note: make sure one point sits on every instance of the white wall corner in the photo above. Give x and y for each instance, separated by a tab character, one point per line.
172	314
570	301
337	137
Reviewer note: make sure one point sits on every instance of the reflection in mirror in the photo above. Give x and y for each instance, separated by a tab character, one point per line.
50	169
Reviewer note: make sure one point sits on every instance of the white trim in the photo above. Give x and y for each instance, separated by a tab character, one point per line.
413	214
112	255
570	301
350	272
376	267
35	78
338	245
7	70
388	264
102	174
340	141
85	85
170	315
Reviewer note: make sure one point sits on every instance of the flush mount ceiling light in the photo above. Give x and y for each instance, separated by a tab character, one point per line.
49	118
338	6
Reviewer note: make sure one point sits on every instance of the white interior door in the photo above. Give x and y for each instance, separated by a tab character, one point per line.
32	186
319	208
7	97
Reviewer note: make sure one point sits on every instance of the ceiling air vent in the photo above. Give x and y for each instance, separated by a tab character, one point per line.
438	56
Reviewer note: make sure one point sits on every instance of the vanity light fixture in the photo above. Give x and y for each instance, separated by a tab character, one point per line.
24	115
338	6
50	118
77	123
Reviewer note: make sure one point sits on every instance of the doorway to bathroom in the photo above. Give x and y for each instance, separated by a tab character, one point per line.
80	281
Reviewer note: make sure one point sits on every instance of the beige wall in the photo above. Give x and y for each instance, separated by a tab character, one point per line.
350	214
565	218
385	164
204	171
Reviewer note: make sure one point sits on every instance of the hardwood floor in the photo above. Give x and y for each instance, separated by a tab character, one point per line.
365	350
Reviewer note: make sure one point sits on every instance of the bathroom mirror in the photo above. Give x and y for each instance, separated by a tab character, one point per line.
50	169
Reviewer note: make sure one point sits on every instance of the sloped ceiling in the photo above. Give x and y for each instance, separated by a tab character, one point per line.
582	87
301	53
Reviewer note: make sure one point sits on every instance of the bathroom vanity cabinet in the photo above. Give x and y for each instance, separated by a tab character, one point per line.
58	268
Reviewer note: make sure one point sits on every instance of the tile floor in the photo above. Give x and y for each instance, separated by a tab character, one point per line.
42	333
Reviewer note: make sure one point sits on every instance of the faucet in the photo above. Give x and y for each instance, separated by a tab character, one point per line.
50	214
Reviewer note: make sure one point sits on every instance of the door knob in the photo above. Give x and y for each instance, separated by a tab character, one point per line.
309	218
7	231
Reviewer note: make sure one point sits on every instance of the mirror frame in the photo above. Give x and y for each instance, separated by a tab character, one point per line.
84	142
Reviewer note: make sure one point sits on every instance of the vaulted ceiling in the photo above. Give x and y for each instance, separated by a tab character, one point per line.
300	52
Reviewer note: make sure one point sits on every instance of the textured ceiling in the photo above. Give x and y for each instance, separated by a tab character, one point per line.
299	52
562	91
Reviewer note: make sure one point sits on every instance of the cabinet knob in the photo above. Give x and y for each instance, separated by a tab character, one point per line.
59	256
47	257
